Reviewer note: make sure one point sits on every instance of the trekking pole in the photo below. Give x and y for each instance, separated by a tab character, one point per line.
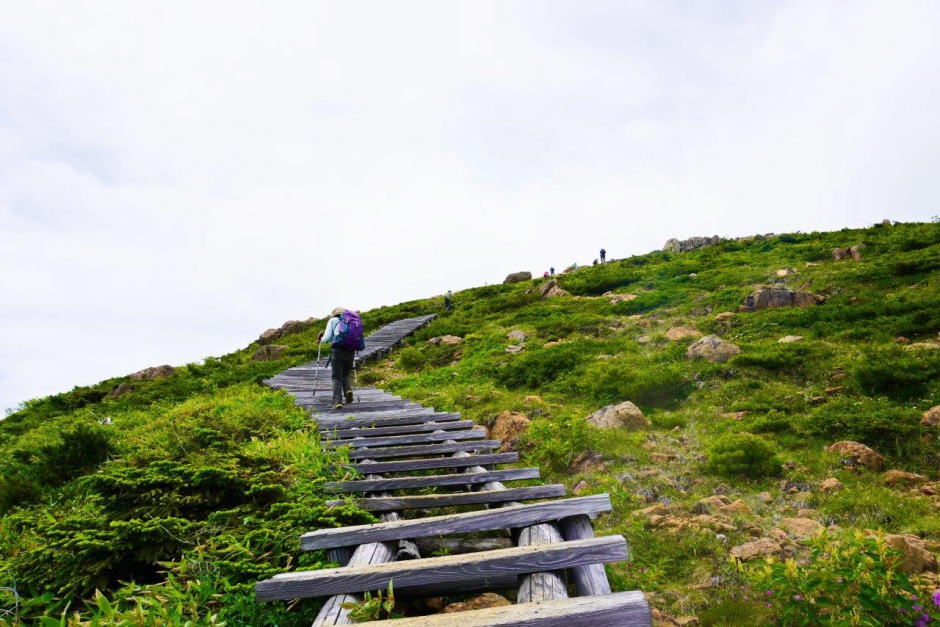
316	374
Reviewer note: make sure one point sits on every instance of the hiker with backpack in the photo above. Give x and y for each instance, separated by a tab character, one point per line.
448	300
344	333
603	255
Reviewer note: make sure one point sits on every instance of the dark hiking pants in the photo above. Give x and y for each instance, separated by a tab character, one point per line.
342	362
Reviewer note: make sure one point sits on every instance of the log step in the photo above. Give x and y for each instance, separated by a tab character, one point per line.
411	438
381	419
427	501
404	483
369	432
415	574
424	449
619	609
484	520
437	462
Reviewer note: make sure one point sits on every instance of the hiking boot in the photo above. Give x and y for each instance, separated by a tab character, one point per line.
337	406
349	396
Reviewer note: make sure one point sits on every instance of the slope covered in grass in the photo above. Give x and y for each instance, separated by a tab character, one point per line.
200	482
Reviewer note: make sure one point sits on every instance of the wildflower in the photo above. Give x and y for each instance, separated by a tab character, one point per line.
768	604
797	597
768	592
917	608
936	598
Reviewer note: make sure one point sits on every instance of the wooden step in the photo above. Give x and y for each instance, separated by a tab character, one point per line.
414	574
487	459
484	520
428	501
424	449
350	421
619	609
369	432
403	483
411	438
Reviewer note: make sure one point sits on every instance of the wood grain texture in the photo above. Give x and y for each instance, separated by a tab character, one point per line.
402	483
427	501
547	584
424	449
485	520
410	438
417	573
590	579
426	427
487	459
326	423
620	609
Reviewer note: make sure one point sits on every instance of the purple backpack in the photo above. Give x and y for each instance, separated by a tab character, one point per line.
349	331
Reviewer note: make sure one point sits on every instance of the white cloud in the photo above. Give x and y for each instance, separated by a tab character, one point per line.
176	177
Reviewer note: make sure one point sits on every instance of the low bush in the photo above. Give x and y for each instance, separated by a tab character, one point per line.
535	368
411	359
896	372
850	579
613	381
882	425
742	454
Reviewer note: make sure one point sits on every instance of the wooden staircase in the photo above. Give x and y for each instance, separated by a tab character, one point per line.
553	542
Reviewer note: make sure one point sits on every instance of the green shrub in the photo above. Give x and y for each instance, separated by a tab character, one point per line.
879	424
897	372
537	367
411	359
773	422
668	421
851	579
613	381
742	454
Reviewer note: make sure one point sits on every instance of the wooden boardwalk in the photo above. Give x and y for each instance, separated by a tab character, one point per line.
552	551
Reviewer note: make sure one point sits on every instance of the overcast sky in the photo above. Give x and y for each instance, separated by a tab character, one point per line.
176	177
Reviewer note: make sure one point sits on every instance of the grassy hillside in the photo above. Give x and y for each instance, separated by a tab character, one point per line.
200	482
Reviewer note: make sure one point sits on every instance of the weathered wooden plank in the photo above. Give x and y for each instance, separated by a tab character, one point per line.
338	434
427	501
620	609
441	462
420	572
484	520
590	579
326	423
424	449
403	483
410	438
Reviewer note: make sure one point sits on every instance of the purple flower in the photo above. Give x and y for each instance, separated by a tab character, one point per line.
768	604
768	592
797	597
936	598
917	608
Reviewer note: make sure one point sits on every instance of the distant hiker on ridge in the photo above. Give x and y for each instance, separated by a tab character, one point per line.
344	333
448	305
552	270
603	255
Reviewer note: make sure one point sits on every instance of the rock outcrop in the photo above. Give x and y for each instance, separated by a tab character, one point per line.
931	417
289	327
445	339
624	415
693	243
787	339
764	547
682	333
896	477
858	453
487	599
518	277
915	556
154	372
507	427
269	352
830	485
551	289
767	297
849	252
712	348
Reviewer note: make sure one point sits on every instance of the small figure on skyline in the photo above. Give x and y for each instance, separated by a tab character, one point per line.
595	261
448	300
603	255
551	271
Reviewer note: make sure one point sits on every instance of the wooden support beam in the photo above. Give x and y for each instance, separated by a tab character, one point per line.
590	579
